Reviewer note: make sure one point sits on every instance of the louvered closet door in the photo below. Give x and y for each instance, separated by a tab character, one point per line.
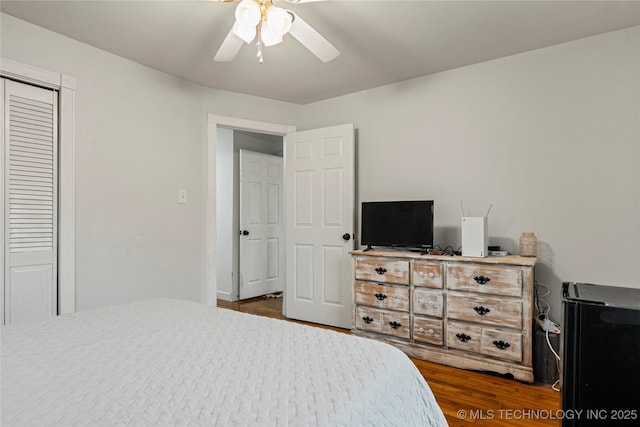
30	205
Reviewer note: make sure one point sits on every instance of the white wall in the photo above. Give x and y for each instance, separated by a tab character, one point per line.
140	136
550	137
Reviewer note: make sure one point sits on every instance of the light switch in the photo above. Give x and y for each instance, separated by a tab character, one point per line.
182	196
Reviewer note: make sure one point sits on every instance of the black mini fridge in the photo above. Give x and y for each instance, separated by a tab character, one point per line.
601	355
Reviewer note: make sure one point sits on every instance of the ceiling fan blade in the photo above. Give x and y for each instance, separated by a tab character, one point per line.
313	40
229	48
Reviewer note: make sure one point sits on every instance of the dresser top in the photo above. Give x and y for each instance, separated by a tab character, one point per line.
508	260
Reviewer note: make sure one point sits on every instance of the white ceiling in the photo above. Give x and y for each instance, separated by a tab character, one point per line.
381	42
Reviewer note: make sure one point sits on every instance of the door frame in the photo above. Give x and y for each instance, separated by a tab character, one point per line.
213	122
66	86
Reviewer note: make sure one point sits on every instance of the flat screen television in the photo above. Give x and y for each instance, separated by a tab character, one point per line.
407	224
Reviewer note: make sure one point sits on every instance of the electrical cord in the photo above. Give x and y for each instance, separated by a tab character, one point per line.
555	385
449	250
543	311
543	286
538	299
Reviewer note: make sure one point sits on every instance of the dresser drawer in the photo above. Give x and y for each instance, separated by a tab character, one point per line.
485	279
390	297
396	324
382	270
464	337
428	303
489	310
427	274
502	344
368	319
427	330
491	342
383	322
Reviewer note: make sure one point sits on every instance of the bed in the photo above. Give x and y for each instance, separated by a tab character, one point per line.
165	362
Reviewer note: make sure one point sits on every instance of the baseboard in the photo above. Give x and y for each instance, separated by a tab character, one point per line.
226	296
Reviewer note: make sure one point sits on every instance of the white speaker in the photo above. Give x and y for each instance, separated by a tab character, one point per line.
474	236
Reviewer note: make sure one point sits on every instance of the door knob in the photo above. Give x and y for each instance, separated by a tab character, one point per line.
346	237
244	232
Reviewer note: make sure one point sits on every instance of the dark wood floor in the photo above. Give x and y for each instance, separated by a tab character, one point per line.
466	398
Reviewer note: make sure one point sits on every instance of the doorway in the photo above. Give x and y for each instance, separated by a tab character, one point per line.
320	212
249	212
212	249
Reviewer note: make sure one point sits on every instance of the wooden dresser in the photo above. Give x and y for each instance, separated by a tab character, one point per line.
471	313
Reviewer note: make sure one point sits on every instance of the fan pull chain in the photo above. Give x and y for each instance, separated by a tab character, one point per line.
259	43
259	54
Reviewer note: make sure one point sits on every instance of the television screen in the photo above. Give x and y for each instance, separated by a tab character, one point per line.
401	223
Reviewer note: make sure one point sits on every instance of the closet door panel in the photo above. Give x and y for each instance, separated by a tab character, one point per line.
30	202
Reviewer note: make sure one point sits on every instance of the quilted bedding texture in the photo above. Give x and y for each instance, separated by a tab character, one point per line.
165	362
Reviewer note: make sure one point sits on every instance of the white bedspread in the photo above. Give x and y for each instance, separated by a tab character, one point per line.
167	362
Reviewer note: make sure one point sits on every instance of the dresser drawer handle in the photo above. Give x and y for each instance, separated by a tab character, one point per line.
463	337
423	303
367	319
481	310
381	270
481	280
395	325
430	331
381	297
501	344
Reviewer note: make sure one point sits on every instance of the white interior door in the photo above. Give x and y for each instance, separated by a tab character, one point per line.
261	231
30	139
320	183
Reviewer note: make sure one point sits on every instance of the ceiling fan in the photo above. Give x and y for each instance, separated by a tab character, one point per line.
269	23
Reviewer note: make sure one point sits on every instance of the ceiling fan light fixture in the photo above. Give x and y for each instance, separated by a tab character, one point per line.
270	24
278	19
248	13
276	23
245	32
269	36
